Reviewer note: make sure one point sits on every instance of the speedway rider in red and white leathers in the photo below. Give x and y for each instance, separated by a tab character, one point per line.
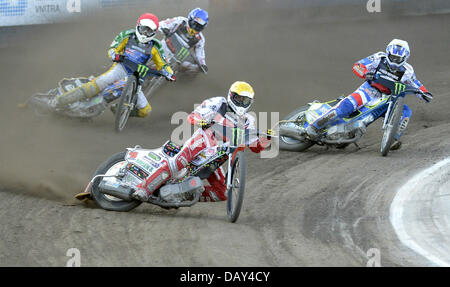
391	64
189	29
218	110
137	45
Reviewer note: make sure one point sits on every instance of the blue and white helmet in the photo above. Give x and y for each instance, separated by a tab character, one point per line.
198	19
397	52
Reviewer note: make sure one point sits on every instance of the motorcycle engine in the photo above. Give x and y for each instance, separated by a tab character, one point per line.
345	131
182	191
88	108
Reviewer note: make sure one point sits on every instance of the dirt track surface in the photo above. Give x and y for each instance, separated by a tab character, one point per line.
318	208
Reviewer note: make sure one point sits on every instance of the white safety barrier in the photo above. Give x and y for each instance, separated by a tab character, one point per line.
30	12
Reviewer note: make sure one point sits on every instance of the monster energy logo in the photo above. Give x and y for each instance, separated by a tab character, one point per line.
399	88
238	136
142	70
182	54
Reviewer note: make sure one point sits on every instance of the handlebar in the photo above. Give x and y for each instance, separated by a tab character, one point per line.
237	136
396	88
142	70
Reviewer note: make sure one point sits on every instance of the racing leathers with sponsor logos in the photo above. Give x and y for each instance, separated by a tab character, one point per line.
127	45
204	143
369	91
179	25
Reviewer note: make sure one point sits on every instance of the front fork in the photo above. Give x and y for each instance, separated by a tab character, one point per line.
138	90
387	114
391	103
229	176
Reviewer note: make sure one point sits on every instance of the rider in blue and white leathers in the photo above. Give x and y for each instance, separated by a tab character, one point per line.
189	29
391	63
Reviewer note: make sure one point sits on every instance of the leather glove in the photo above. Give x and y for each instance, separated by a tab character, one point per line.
427	97
171	78
118	58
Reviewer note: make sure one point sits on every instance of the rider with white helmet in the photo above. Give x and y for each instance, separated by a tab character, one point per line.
137	45
229	112
391	64
190	30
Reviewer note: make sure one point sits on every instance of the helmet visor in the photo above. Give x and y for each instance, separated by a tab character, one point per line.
241	101
396	59
146	31
196	24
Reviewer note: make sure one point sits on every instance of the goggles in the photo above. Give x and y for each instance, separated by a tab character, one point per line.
197	24
146	31
241	101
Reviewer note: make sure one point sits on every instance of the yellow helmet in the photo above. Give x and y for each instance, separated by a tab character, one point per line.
240	97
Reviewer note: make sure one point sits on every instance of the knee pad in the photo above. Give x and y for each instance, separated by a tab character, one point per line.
142	113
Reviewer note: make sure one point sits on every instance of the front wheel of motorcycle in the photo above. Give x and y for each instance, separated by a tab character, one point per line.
125	104
235	194
152	85
290	144
108	202
392	126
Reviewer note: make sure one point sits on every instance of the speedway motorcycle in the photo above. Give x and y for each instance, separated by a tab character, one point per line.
116	179
292	129
180	52
126	90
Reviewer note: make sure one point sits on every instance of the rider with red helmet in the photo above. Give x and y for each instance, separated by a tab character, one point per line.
139	46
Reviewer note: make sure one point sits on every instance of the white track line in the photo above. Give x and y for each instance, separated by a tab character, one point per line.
397	211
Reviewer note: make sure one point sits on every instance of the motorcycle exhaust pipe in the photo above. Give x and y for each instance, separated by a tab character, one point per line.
119	191
291	132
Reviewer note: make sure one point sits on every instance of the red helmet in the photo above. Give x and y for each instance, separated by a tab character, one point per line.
146	27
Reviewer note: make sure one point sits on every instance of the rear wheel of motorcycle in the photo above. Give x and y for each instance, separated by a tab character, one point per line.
109	202
290	144
40	104
342	146
125	104
392	127
235	194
